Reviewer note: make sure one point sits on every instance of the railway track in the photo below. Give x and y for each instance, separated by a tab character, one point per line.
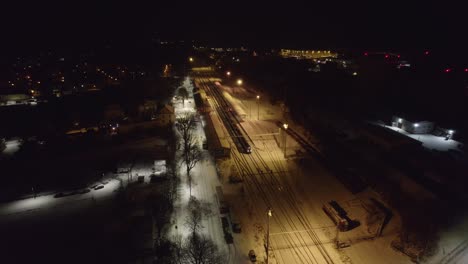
455	255
262	183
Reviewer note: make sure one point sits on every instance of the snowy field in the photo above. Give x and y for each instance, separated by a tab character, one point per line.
431	141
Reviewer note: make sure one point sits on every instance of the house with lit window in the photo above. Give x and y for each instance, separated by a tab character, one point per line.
413	126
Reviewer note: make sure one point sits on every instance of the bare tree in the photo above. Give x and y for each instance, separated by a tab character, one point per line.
185	125
192	155
190	151
161	209
182	92
199	249
193	220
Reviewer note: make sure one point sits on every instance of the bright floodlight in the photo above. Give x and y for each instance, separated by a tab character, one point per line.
285	126
416	125
400	120
451	131
239	82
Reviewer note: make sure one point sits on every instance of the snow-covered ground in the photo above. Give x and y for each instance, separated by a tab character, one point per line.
204	181
300	232
44	202
11	146
431	141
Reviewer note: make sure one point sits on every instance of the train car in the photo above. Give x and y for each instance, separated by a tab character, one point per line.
242	145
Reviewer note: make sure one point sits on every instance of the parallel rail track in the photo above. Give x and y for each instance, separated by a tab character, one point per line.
262	183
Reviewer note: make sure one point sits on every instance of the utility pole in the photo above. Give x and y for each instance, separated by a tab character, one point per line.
267	247
285	126
258	107
337	241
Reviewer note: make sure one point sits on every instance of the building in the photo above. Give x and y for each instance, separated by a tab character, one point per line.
307	54
413	126
14	99
166	116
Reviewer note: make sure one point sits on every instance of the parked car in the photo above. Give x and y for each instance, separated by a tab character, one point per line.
252	256
83	191
58	195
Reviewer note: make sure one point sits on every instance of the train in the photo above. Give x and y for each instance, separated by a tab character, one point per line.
242	145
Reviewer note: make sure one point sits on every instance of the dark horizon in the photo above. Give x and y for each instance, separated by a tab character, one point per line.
351	25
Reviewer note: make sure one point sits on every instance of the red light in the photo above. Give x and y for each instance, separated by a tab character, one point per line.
386	56
426	53
365	53
466	69
398	56
448	70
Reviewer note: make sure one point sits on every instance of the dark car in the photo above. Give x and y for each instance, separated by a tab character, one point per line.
98	187
83	191
252	256
58	195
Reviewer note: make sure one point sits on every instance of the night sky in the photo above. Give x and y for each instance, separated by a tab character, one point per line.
379	24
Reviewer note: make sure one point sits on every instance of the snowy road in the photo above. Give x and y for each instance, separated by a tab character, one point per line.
205	180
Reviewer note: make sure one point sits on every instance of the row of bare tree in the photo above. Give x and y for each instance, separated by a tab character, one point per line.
196	248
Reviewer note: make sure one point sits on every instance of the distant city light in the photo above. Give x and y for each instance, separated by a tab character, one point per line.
354	73
228	73
400	120
416	125
191	59
239	82
448	70
451	131
258	97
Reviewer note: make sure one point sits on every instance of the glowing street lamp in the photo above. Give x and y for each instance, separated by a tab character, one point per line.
285	126
191	59
228	73
239	82
258	107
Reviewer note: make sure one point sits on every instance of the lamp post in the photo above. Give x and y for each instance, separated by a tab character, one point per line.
239	83
258	107
268	234
285	126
